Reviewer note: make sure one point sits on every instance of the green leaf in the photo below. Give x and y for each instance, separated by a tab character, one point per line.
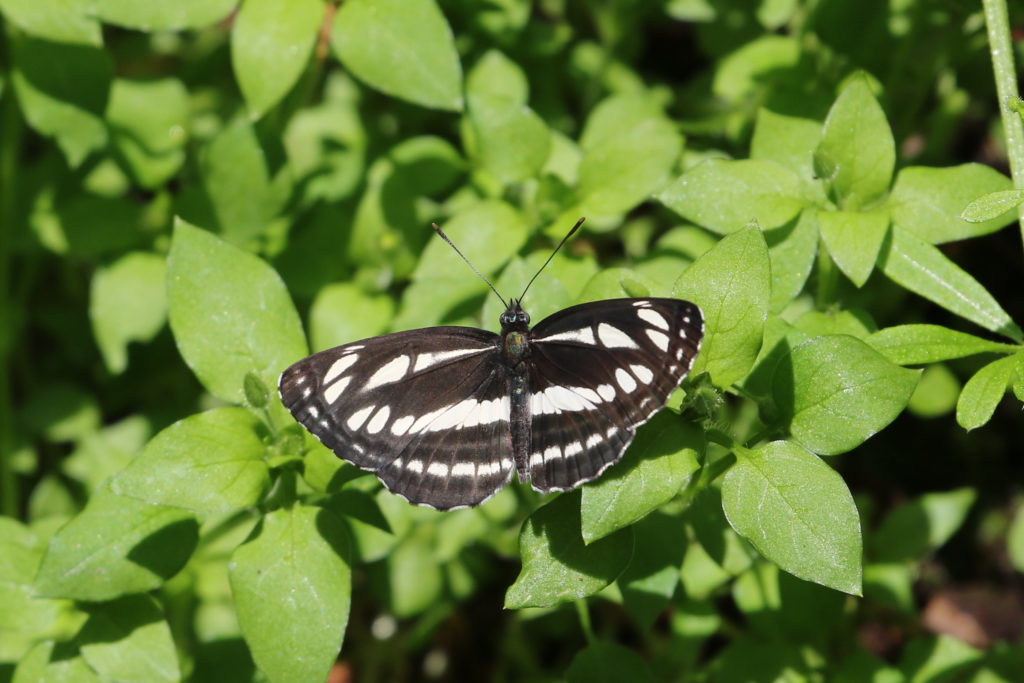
344	312
129	640
857	153
613	283
725	196
1018	377
919	267
937	392
237	181
292	590
797	512
49	662
270	46
619	172
617	113
1015	540
230	314
208	463
779	606
787	140
149	123
938	658
837	392
62	91
982	393
509	139
127	302
496	75
792	251
920	344
415	581
116	546
403	48
746	69
855	323
654	470
650	581
557	565
731	283
992	206
929	201
921	525
59	21
104	452
602	662
163	16
854	239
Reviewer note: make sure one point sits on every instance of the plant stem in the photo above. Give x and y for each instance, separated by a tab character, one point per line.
1000	48
585	625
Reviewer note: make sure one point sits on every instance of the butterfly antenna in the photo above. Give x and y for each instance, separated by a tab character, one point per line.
564	240
480	275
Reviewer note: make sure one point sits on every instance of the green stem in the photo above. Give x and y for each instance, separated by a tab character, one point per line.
10	145
1001	49
585	625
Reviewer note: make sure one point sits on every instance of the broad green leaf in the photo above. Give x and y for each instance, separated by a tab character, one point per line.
928	201
403	48
649	582
129	640
859	667
725	196
619	172
792	251
510	140
937	392
916	265
938	658
116	546
230	314
292	590
856	154
746	69
837	392
892	584
237	181
24	618
797	512
614	283
1015	540
208	463
270	46
723	545
921	525
106	451
557	565
655	469
62	91
617	113
992	206
855	323
853	239
778	605
788	140
920	344
343	312
70	22
496	75
149	123
415	581
43	665
602	662
700	574
1017	383
731	283
749	658
982	393
127	302
163	16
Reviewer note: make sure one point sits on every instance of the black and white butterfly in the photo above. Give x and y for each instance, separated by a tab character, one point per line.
444	415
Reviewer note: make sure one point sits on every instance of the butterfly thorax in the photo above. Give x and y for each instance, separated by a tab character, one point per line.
515	324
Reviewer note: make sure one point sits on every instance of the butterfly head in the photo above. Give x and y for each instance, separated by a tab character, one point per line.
515	319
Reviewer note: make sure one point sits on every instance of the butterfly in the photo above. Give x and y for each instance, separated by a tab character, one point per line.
445	415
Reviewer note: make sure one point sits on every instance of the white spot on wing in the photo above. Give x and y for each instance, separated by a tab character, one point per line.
415	466
392	371
536	459
552	453
356	420
426	360
643	373
593	440
402	424
438	469
642	303
463	469
379	420
332	392
653	317
584	335
573	448
625	380
660	340
607	391
566	399
613	337
339	366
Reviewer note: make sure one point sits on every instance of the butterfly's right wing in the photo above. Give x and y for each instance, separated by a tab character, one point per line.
427	411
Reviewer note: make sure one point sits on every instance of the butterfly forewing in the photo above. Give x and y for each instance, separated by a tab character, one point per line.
598	371
427	411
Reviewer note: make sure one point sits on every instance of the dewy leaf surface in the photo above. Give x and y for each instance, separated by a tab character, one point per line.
797	512
292	589
837	392
919	344
557	566
982	393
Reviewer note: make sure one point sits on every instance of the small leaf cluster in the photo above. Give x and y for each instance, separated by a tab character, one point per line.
200	193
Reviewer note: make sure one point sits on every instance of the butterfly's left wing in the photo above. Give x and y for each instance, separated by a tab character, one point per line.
598	371
427	411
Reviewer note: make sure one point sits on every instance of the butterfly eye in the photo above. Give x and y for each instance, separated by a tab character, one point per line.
523	317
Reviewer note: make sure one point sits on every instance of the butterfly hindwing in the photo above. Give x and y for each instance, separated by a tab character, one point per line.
427	411
598	371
